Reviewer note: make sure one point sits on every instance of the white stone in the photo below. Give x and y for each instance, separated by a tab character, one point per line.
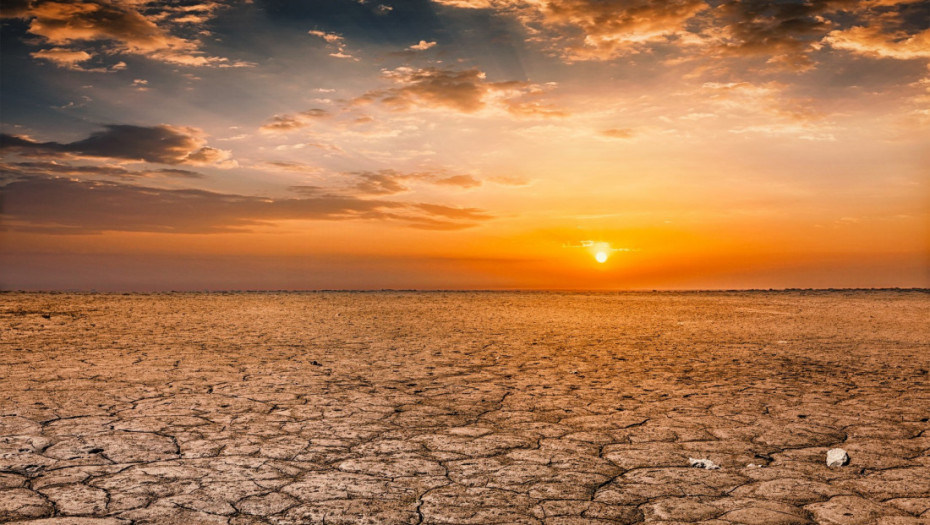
837	457
703	463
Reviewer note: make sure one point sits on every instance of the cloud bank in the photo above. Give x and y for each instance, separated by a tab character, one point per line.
61	205
161	144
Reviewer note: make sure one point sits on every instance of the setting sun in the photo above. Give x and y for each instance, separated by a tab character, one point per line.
601	257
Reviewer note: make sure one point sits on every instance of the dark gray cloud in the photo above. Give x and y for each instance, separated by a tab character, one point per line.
783	32
76	206
161	144
64	169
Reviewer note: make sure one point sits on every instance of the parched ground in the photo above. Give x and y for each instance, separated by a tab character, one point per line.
464	408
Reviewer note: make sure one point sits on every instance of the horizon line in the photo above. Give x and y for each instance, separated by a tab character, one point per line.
463	290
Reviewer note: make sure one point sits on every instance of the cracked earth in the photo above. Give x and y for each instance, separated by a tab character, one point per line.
464	408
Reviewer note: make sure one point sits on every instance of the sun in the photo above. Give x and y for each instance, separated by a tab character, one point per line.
601	257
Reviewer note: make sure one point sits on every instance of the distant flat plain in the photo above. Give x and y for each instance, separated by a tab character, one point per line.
464	407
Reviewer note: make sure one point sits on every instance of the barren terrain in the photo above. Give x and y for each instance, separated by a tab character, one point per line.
464	408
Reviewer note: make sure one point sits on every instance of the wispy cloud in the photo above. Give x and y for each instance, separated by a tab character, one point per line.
618	133
291	122
389	182
75	206
336	43
42	168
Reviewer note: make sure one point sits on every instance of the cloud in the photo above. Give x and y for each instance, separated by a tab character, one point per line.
466	91
787	34
768	107
30	169
607	29
784	31
60	205
390	182
471	214
886	29
460	90
63	57
296	167
461	181
335	42
386	182
507	180
14	8
617	133
422	46
595	29
875	42
767	99
286	123
161	144
616	27
531	109
121	27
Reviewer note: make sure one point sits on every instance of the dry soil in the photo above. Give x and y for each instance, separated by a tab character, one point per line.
464	408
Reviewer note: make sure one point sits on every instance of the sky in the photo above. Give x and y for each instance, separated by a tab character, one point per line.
464	144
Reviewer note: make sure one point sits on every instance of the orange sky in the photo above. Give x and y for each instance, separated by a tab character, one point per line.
465	144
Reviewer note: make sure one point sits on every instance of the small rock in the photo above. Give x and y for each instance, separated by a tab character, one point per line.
753	465
704	464
837	457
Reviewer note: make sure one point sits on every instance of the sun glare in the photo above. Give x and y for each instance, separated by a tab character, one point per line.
601	257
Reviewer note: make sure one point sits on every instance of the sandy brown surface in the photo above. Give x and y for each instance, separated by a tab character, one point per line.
468	408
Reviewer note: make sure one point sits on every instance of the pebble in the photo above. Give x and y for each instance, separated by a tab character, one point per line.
837	457
704	464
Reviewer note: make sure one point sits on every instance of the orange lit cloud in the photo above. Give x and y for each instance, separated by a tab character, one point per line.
286	123
873	41
785	33
122	25
466	91
592	29
423	45
388	182
336	43
63	57
616	133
